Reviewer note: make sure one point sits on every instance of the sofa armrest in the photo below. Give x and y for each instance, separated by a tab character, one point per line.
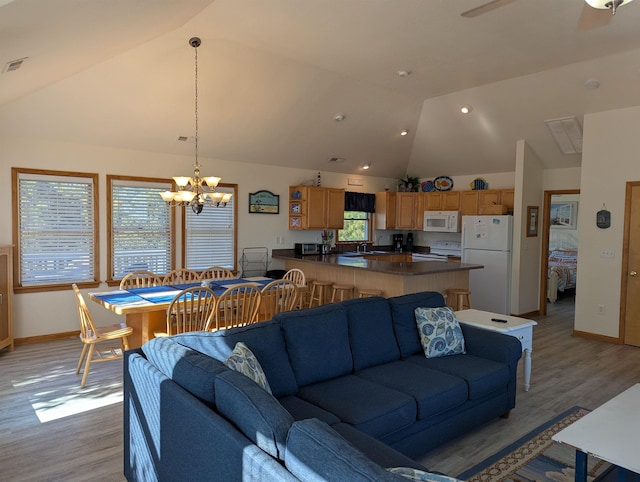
491	345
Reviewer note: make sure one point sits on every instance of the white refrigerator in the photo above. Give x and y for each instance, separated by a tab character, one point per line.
487	240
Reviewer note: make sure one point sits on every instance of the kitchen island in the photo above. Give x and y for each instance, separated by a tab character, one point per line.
381	271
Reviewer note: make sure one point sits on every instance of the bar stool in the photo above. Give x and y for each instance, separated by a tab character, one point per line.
340	291
459	299
319	292
366	293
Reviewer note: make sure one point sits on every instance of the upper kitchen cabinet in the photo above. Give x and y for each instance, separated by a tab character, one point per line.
385	216
312	207
471	202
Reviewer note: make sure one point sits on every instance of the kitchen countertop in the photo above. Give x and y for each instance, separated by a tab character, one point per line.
414	268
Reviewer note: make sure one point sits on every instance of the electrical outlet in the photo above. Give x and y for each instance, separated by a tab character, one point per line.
601	309
607	253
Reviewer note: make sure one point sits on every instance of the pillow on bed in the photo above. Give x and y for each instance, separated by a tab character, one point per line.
563	256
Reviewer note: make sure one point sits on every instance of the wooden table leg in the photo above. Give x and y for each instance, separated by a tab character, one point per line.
145	325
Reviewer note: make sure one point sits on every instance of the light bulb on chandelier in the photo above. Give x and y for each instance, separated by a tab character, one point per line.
196	191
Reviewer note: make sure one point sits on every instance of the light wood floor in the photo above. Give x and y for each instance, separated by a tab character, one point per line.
566	371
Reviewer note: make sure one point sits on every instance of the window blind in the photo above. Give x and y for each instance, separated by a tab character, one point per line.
56	229
209	236
141	227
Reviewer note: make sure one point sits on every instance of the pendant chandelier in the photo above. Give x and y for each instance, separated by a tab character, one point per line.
196	191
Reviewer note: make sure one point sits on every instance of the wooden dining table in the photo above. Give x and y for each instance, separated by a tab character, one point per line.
145	309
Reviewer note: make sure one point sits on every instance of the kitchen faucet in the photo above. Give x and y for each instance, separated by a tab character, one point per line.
363	246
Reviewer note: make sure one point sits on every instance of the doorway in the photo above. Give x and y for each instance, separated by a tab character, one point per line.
559	244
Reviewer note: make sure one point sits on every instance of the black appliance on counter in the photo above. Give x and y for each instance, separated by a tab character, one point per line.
409	246
398	242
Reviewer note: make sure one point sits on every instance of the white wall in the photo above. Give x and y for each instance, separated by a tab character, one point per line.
525	286
610	158
54	312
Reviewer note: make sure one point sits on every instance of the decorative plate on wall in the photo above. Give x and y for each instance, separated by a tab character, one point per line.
443	183
479	184
427	186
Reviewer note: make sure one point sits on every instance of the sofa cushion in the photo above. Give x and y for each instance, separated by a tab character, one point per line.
368	406
433	391
317	341
440	332
301	409
190	369
371	332
256	413
482	376
404	320
264	339
316	453
244	361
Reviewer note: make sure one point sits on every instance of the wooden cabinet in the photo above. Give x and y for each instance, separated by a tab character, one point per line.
6	291
385	216
406	209
312	207
432	201
506	198
490	196
468	203
451	201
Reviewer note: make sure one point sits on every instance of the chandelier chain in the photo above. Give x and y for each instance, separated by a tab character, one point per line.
196	102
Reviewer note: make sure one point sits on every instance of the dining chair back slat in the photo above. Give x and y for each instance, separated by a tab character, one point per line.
238	305
278	296
180	276
140	279
191	310
216	272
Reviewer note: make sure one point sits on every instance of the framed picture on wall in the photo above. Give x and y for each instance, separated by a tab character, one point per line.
532	221
564	215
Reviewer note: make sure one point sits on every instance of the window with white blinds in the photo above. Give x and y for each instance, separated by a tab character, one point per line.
210	235
140	237
56	220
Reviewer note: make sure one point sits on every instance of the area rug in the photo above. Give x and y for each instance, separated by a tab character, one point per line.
535	457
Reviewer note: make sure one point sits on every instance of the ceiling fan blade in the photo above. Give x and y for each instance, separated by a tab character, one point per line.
591	18
487	7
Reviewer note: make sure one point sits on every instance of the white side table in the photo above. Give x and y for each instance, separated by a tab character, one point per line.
520	328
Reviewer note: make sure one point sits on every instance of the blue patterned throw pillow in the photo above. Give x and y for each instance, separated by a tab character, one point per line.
244	361
421	475
440	332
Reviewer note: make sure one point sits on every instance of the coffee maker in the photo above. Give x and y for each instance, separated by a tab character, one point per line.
409	242
397	242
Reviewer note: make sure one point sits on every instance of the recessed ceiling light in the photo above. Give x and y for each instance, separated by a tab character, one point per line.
366	165
404	132
592	84
403	73
466	109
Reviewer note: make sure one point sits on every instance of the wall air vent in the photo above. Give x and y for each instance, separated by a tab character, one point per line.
182	138
567	133
13	65
337	159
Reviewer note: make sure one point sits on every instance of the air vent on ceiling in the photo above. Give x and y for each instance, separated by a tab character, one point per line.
13	65
182	138
567	133
336	159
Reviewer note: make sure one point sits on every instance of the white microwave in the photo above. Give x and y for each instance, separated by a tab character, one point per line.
442	221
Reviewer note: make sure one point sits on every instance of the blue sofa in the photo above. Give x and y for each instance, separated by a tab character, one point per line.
352	394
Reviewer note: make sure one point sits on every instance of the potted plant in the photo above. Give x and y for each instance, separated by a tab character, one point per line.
410	184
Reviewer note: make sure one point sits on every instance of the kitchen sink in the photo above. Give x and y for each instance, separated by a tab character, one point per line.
363	253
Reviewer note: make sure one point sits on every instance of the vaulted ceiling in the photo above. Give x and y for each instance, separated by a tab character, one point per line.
274	73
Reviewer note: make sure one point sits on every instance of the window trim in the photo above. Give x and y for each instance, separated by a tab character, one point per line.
17	288
235	227
113	177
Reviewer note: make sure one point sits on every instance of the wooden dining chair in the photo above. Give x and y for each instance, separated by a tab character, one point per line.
278	296
191	310
91	336
237	306
180	276
140	279
297	277
216	272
